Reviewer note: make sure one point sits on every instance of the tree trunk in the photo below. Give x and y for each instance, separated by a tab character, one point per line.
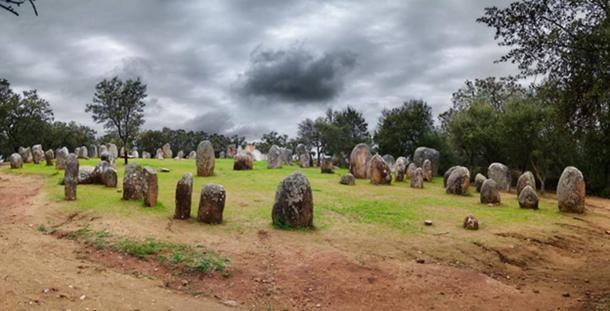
125	153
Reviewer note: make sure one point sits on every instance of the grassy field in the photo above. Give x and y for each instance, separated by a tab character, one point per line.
250	196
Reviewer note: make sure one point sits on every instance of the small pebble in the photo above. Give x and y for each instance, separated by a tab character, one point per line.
566	294
428	222
420	260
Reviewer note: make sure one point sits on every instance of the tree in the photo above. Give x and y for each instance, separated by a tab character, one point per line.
343	130
402	129
310	135
270	139
120	106
9	5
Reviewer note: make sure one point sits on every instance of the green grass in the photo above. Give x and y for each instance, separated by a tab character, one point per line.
173	255
250	196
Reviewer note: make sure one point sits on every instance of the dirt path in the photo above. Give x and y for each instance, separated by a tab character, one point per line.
39	272
563	269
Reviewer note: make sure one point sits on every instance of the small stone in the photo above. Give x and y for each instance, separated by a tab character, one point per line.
82	297
428	222
420	260
566	294
471	223
231	303
165	170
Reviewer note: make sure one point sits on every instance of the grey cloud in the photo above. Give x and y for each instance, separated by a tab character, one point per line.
211	122
296	74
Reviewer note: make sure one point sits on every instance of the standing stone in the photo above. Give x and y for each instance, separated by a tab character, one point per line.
49	155
489	192
184	192
400	168
389	159
192	155
180	155
286	156
528	198
423	153
135	154
222	155
71	177
151	186
205	159
26	154
211	204
122	152
102	150
145	155
113	150
479	179
93	151
60	159
348	179
243	161
358	161
458	181
427	168
16	160
274	157
326	165
417	179
500	173
37	154
293	205
83	153
446	175
526	179
411	170
133	187
167	151
159	155
231	151
571	191
303	155
110	177
380	173
471	223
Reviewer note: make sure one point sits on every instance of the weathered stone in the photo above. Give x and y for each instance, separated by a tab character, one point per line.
49	156
93	152
243	160
389	159
16	160
326	165
458	181
286	156
500	173
83	153
471	223
206	159
479	179
113	150
400	168
133	185
358	161
192	155
380	173
106	156
528	198
70	177
159	154
274	157
151	186
211	204
526	179
423	153
489	192
571	191
293	205
184	191
110	177
446	175
86	175
427	168
134	154
180	155
26	154
348	179
103	148
411	170
37	154
145	155
222	155
231	151
167	151
303	156
60	158
417	179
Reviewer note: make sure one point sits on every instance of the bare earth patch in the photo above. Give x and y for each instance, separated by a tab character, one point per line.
564	266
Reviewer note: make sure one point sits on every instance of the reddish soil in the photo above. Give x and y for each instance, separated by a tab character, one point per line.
566	268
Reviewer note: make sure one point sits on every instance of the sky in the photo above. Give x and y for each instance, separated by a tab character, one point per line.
249	67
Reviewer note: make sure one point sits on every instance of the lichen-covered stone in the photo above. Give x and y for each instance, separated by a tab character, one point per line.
211	204
348	179
526	179
359	160
400	168
471	223
479	179
274	157
49	156
446	175
423	153
326	165
458	181
293	205
427	168
71	177
206	160
133	185
500	173
16	160
489	192
60	158
571	191
184	192
528	198
151	186
417	179
380	173
243	160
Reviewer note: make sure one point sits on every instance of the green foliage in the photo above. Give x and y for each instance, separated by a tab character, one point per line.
270	139
187	141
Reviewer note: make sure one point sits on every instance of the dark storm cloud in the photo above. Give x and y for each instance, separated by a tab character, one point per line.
201	62
296	74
